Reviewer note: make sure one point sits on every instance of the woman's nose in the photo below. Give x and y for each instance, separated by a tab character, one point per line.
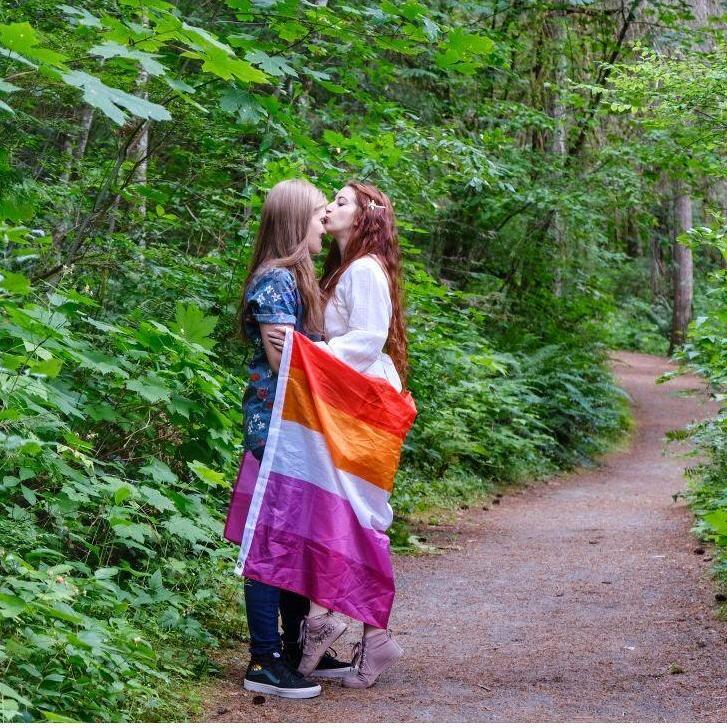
329	209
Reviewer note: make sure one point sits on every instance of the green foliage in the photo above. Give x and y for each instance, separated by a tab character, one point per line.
112	564
123	255
706	353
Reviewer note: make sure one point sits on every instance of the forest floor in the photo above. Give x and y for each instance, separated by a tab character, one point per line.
579	599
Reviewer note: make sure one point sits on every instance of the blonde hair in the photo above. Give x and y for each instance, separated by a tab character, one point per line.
281	243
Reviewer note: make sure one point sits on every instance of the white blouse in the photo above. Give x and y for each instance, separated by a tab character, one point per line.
357	318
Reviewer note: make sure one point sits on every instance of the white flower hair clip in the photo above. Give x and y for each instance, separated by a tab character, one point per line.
373	206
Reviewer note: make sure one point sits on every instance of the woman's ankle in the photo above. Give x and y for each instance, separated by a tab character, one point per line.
316	610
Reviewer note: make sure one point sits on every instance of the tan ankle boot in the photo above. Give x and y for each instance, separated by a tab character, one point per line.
372	656
317	634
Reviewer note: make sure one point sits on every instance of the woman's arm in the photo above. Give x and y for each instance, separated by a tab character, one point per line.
368	301
273	305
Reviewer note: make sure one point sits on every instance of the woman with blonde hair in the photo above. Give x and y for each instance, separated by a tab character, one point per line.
280	291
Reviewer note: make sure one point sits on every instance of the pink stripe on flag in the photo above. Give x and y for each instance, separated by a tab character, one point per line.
295	563
309	540
240	498
307	510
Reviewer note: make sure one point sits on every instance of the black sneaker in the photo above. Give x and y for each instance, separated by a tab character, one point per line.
328	666
272	675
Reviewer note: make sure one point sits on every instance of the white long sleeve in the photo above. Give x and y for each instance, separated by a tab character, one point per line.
357	319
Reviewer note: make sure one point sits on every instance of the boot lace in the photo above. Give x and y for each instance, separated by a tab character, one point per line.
358	658
305	638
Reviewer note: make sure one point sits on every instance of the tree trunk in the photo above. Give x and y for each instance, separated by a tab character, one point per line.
682	265
86	122
656	264
558	146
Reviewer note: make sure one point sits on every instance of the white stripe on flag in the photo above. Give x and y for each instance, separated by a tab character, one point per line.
276	417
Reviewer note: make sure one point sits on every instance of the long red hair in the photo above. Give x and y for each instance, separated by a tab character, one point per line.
374	233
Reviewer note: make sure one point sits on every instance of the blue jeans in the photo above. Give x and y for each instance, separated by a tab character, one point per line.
263	602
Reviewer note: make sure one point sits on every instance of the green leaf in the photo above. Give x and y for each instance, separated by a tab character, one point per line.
464	52
99	362
186	529
138	532
61	611
81	16
151	388
29	495
22	38
8	88
207	475
8	692
244	104
469	43
9	710
179	85
290	31
5	107
154	498
220	63
431	29
194	326
159	472
7	53
56	717
181	405
14	282
718	521
11	606
91	638
274	65
111	101
122	494
105	572
115	50
50	368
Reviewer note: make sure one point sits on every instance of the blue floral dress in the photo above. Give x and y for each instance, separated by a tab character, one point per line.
272	298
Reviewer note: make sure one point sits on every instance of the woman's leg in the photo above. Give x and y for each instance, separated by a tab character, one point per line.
293	610
262	602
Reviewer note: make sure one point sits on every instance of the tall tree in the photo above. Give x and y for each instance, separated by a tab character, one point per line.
683	268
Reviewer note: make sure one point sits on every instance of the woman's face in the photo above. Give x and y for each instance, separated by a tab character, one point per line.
316	229
341	213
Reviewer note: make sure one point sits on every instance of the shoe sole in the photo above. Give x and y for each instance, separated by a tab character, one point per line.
332	672
291	693
324	646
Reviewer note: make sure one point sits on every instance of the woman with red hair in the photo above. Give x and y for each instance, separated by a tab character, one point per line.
364	324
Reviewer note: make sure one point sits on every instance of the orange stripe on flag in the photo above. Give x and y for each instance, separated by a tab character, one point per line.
355	446
365	398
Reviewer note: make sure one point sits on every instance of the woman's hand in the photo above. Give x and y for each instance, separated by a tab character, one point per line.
273	340
276	336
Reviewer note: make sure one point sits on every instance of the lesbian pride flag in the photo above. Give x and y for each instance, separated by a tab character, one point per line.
316	508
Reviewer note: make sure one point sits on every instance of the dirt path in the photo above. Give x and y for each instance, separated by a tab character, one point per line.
568	601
